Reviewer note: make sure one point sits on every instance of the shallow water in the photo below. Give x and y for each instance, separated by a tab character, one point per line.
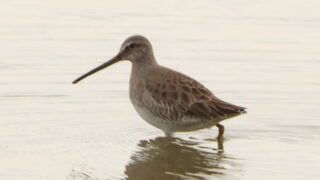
262	55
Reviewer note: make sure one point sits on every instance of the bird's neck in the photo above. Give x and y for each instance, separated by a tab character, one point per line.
143	65
140	71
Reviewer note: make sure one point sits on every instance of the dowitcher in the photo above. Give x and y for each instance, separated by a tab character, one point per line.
167	99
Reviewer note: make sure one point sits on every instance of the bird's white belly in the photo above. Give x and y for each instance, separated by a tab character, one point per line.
150	118
173	125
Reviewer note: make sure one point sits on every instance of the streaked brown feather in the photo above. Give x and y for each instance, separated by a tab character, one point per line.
183	96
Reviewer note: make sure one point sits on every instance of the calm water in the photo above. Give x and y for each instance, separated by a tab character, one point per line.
260	54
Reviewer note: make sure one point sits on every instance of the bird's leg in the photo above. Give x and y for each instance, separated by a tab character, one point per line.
220	136
168	134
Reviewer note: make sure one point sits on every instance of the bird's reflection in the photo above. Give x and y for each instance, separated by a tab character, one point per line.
173	158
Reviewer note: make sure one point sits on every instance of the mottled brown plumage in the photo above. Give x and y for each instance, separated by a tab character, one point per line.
169	89
167	99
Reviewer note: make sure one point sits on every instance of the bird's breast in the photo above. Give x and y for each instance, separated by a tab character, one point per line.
136	90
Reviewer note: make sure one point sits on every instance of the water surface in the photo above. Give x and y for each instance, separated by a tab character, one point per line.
262	55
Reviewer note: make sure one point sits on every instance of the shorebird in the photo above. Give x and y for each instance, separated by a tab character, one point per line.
167	99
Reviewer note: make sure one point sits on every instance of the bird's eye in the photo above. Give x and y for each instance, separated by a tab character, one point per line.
132	45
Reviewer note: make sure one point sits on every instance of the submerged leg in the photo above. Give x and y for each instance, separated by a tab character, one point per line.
220	136
168	134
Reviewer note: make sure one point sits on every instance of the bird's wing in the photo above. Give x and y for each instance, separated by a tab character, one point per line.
182	96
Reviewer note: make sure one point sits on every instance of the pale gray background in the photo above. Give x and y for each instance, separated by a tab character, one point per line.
260	54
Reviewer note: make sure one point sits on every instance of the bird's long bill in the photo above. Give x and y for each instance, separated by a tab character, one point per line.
102	66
